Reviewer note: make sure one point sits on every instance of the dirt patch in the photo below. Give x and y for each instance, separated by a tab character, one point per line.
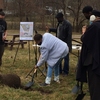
42	90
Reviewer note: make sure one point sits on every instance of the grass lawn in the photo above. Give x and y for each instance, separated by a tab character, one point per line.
22	67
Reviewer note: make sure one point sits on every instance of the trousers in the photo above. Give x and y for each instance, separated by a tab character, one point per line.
94	84
1	53
56	72
65	68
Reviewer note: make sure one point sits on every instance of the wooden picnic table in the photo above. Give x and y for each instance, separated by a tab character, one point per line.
14	41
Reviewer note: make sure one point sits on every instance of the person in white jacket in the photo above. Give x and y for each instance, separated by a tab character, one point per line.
52	50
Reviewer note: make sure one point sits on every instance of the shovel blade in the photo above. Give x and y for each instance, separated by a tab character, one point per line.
75	90
80	96
28	85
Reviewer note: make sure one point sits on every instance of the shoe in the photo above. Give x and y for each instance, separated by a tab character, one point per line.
57	81
64	74
44	84
60	72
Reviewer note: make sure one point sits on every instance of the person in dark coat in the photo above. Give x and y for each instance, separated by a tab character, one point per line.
87	11
3	33
89	62
63	32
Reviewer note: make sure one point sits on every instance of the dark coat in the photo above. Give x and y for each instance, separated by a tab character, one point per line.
65	33
3	28
90	53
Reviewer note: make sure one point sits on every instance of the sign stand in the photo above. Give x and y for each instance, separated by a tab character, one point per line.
26	33
29	49
16	53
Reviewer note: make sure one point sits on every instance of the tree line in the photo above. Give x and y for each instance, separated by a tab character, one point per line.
42	12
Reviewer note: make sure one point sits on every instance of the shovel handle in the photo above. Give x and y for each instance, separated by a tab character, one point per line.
29	72
35	70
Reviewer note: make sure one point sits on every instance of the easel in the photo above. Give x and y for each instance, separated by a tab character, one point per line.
18	49
19	45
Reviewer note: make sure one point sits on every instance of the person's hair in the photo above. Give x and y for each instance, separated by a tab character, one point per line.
1	10
59	15
96	13
37	37
87	9
2	13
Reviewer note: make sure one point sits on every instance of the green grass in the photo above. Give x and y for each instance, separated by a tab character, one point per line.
22	67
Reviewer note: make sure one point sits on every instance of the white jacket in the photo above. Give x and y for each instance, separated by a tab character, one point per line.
52	49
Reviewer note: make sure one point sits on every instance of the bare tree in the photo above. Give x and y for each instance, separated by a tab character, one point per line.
2	4
34	10
76	8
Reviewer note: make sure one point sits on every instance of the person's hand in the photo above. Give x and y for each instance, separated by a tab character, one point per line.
84	29
47	28
35	69
4	37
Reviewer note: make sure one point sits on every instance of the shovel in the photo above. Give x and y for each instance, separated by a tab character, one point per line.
81	94
30	83
76	88
29	74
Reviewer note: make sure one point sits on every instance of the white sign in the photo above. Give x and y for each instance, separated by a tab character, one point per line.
26	30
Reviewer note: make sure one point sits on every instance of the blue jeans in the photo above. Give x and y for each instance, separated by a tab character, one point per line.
55	68
65	69
56	73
